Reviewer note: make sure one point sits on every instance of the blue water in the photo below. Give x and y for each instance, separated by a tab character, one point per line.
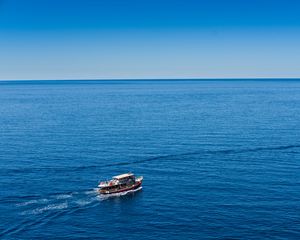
220	159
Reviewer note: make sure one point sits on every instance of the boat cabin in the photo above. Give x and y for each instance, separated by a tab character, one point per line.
120	183
123	178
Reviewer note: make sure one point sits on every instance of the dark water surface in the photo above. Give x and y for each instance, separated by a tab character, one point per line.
220	159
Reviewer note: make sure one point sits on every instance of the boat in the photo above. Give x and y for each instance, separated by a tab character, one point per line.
120	183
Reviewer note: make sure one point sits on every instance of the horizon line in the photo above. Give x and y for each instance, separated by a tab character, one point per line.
153	79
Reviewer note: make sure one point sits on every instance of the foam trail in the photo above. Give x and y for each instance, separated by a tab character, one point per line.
94	191
30	202
47	208
57	204
83	202
64	196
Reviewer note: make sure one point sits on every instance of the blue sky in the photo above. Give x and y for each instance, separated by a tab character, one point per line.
107	39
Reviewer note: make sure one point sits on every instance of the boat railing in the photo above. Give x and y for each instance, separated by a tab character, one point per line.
107	183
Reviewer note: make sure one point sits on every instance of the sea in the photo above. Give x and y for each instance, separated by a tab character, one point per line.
220	159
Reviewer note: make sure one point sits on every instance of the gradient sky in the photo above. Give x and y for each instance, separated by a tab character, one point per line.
105	39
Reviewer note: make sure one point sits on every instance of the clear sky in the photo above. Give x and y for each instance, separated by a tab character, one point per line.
105	39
